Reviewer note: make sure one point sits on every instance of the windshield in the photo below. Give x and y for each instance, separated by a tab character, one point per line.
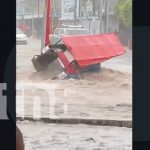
77	32
18	31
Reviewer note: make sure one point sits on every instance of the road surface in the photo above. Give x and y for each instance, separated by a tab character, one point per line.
107	95
40	136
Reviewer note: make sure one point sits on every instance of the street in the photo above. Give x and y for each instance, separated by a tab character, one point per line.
106	95
26	52
56	111
41	136
113	100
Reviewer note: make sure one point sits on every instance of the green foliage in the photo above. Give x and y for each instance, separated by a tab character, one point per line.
123	10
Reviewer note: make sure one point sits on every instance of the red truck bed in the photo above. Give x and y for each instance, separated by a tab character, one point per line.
92	49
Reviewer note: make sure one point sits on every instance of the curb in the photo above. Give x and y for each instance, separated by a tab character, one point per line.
97	122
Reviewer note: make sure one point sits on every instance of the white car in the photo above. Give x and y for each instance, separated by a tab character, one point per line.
20	37
67	30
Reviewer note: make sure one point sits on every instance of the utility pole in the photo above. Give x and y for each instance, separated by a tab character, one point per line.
44	26
100	16
48	22
80	4
88	12
23	21
38	7
105	18
32	23
75	12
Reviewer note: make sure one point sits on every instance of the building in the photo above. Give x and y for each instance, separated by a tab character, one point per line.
98	16
30	15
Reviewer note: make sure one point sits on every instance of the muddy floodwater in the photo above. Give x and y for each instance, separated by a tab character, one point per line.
40	136
106	95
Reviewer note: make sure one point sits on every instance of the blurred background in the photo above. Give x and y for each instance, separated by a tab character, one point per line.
98	16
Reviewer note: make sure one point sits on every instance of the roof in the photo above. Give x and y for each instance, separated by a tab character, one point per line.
92	49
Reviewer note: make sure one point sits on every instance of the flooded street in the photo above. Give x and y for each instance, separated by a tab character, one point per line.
41	136
106	95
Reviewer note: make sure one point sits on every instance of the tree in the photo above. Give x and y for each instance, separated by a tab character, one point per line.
123	10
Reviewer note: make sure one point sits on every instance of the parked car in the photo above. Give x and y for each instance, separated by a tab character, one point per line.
67	30
20	37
